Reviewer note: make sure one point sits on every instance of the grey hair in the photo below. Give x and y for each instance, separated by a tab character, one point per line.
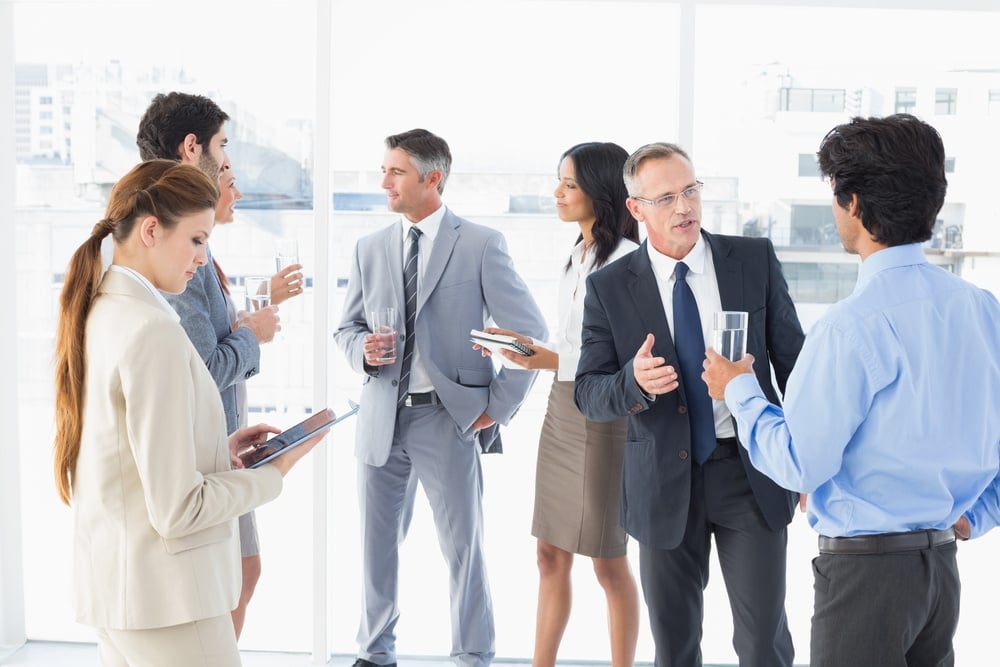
655	151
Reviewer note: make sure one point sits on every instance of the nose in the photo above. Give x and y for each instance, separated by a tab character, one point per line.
558	192
201	257
682	205
386	182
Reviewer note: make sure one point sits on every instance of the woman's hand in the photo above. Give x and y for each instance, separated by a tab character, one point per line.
543	359
286	283
245	440
286	461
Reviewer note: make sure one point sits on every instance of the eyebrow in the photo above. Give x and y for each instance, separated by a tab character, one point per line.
686	187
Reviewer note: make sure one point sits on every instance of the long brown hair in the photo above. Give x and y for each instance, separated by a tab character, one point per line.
165	189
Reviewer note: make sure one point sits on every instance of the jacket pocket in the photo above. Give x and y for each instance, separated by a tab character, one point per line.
474	377
202	538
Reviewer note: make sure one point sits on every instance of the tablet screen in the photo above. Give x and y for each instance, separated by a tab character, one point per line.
260	454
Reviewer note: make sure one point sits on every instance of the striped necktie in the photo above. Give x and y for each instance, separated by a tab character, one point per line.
410	295
690	345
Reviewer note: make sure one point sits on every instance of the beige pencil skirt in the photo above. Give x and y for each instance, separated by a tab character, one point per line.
578	479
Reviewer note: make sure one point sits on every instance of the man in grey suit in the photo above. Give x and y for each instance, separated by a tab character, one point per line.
647	318
424	411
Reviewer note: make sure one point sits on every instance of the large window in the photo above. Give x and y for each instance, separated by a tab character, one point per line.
516	84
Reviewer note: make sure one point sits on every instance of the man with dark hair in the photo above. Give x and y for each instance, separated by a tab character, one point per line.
191	129
890	420
425	408
647	320
185	127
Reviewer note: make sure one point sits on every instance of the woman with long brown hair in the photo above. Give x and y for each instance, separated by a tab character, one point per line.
141	449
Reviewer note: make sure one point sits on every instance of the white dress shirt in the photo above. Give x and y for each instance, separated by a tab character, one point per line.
705	287
572	291
420	381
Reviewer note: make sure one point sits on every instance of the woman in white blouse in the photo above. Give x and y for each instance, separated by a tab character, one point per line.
578	476
141	449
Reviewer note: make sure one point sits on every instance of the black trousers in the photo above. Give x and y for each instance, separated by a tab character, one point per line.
752	558
886	610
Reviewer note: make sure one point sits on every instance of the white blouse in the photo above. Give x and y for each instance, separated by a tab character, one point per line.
572	291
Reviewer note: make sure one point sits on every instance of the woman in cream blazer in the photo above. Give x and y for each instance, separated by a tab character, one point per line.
141	447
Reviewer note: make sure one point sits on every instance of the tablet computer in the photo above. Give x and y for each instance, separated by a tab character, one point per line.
257	455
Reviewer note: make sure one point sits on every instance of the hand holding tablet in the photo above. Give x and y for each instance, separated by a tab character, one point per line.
308	431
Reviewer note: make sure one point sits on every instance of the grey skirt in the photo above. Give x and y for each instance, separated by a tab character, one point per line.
249	545
578	479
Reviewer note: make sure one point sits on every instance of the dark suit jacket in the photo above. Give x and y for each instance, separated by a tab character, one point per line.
623	304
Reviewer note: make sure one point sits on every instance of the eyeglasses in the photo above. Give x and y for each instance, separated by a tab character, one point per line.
670	200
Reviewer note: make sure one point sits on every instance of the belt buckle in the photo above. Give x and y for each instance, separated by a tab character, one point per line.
408	401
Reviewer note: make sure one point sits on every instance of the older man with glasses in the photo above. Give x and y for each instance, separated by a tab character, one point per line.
647	323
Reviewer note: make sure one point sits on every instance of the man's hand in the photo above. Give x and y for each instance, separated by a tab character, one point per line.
484	421
651	373
962	528
719	371
380	349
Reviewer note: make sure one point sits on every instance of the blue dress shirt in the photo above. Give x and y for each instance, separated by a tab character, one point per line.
892	414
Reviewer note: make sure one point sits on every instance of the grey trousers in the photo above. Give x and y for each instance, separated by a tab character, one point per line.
427	448
886	610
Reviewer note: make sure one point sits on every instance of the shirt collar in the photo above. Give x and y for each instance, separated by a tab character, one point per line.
118	268
695	259
428	226
889	258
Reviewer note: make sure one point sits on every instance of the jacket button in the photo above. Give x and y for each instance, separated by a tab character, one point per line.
395	383
249	374
682	409
683	455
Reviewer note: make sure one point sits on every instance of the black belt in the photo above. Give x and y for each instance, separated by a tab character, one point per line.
886	543
418	400
725	448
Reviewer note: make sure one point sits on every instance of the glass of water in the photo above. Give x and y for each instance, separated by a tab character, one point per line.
730	329
258	291
288	253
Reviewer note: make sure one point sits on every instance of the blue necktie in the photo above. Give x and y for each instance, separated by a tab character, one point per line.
410	295
690	345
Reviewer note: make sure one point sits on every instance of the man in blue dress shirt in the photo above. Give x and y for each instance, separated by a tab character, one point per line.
890	420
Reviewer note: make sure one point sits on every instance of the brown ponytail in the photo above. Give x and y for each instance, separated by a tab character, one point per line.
162	188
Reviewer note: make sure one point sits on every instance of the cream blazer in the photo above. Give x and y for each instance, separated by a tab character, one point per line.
154	497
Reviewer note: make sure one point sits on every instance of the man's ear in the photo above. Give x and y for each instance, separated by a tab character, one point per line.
853	207
148	229
190	149
433	179
633	208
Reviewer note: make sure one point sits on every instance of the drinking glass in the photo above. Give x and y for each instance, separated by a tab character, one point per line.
383	325
258	289
731	333
287	254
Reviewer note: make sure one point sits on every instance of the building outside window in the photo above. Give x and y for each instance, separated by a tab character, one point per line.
906	100
946	101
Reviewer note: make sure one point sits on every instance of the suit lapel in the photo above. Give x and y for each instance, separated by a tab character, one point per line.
728	272
393	248
444	245
649	304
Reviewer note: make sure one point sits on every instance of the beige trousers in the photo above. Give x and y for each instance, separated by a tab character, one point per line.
210	642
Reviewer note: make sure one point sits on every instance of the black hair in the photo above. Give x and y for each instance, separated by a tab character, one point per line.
598	167
895	166
172	116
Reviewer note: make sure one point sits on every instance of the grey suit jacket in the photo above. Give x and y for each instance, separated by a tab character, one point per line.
231	356
622	305
154	498
469	278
